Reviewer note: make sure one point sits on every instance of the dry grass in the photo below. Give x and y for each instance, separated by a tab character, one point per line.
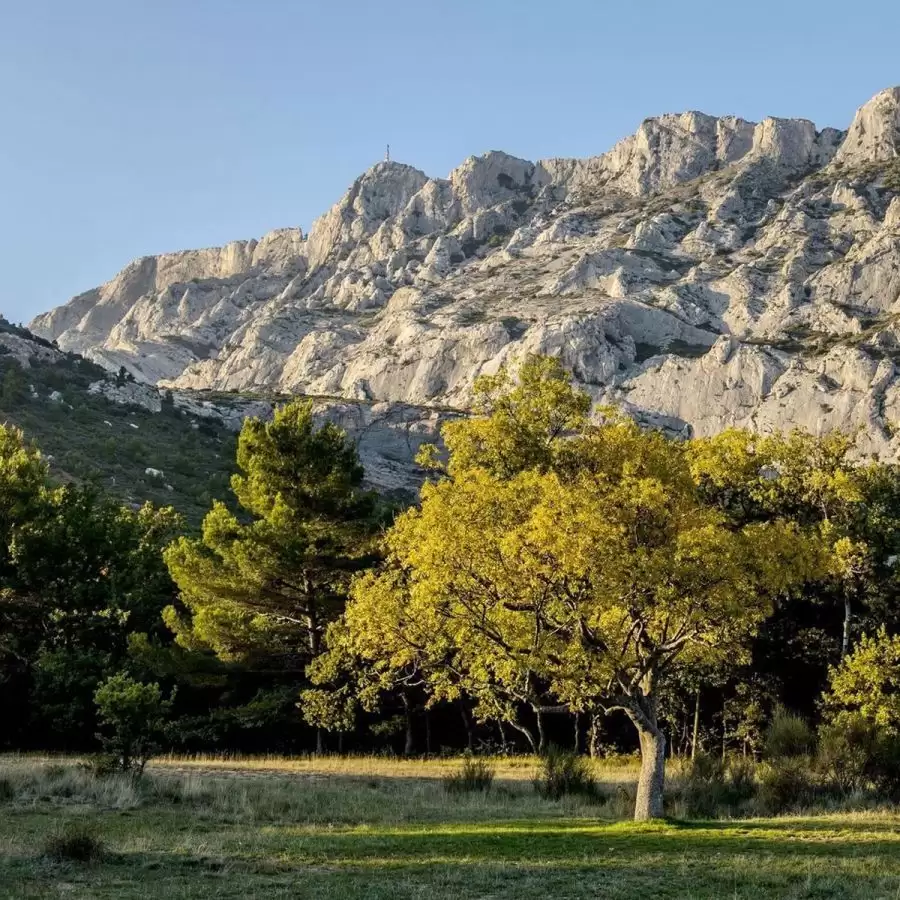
507	768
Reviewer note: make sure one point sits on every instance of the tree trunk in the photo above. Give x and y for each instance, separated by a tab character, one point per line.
542	737
312	631
577	744
724	727
649	803
467	721
696	726
409	744
312	636
684	739
845	641
642	709
594	736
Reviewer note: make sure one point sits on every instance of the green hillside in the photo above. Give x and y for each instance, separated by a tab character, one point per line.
89	438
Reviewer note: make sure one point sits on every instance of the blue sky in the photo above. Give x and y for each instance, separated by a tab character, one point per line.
130	127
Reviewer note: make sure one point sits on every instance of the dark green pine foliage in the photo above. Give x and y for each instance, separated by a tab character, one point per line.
260	587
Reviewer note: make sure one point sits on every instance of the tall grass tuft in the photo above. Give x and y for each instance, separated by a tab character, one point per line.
74	842
475	776
714	787
29	782
562	774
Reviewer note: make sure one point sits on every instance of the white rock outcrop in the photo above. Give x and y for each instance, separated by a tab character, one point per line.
703	272
874	134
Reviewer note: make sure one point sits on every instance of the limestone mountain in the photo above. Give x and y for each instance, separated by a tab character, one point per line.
704	272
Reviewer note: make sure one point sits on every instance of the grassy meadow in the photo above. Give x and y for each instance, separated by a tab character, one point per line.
377	828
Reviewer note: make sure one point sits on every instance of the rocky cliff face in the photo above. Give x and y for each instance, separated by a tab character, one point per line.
704	272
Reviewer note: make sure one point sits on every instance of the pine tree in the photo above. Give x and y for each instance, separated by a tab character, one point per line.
262	587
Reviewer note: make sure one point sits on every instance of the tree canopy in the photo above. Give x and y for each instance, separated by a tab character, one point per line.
579	563
78	574
866	684
262	587
564	565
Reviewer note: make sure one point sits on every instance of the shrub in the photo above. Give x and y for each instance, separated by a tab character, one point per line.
862	710
100	765
132	715
867	683
742	778
785	784
564	773
892	177
705	789
847	752
75	842
885	771
714	788
475	776
788	736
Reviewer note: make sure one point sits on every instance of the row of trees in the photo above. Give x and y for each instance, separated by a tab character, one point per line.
78	574
553	566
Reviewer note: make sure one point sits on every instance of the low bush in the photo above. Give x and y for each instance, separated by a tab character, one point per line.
856	755
74	842
7	791
101	765
788	736
564	774
714	788
846	754
885	769
476	775
621	804
786	784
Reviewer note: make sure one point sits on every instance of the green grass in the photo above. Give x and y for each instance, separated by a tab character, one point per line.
351	836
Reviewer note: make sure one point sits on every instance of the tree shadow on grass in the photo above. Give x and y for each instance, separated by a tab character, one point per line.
576	866
550	844
884	823
524	860
580	860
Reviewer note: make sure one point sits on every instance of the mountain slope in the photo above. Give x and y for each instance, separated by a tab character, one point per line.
137	451
141	442
704	272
